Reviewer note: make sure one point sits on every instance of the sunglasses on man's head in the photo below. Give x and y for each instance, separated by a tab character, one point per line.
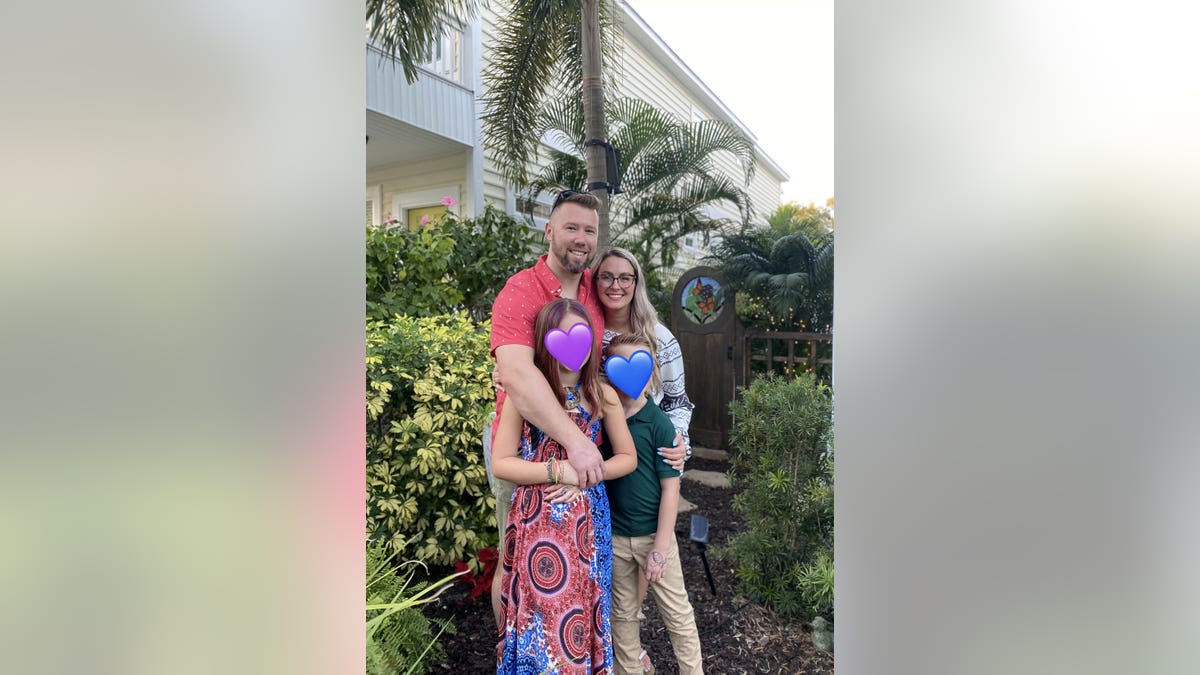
564	196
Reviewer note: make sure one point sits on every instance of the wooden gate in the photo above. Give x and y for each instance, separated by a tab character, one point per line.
709	333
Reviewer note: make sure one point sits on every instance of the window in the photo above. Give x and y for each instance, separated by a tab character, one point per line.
374	203
425	216
423	208
447	60
539	209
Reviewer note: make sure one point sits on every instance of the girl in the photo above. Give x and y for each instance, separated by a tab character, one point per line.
557	559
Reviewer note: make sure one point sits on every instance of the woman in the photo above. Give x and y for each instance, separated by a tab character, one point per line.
627	309
621	289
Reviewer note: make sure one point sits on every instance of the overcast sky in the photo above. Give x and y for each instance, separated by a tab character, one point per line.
771	62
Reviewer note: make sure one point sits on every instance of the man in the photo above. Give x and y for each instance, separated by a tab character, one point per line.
571	233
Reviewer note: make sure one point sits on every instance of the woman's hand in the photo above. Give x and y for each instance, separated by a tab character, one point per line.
676	456
496	379
563	493
656	565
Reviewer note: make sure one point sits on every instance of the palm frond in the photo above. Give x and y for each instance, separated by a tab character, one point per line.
562	120
526	62
408	30
563	172
792	273
537	59
794	252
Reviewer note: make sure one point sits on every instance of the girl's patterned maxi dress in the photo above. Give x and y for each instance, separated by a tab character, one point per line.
557	566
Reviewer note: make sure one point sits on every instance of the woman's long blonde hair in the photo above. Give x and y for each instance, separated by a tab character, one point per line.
642	318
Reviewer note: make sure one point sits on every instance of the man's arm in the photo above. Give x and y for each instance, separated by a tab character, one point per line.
528	390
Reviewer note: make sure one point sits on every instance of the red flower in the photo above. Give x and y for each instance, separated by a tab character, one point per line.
480	583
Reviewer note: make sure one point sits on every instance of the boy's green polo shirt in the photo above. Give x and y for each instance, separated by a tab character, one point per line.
634	498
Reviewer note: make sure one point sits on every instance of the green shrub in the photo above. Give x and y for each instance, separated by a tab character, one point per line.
781	460
429	389
399	637
409	272
815	581
488	250
458	264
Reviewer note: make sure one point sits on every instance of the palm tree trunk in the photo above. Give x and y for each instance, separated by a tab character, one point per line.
593	109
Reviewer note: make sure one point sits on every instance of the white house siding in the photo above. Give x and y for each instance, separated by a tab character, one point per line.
765	193
647	75
444	175
495	188
435	104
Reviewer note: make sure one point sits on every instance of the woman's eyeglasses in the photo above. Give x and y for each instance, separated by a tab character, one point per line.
622	280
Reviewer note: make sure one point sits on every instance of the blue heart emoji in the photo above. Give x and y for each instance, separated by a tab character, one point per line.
630	375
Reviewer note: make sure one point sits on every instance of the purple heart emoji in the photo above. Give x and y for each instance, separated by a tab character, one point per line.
630	375
570	347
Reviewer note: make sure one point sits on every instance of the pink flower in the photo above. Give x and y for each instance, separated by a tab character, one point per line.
449	201
425	219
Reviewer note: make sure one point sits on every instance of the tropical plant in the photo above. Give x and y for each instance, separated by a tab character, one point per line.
809	219
461	263
487	251
408	30
399	637
429	390
409	272
541	53
668	174
815	582
788	278
782	459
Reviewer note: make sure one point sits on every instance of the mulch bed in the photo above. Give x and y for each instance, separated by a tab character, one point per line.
737	636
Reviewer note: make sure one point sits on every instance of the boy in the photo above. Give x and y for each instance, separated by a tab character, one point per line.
644	506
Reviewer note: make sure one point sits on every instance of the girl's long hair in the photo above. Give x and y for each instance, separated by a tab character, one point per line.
589	378
643	319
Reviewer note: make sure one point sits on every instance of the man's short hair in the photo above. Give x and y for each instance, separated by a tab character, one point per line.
584	199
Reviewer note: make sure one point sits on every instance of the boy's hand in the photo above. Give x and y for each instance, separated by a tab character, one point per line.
656	565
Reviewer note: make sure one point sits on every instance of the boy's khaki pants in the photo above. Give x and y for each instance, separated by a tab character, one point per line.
670	596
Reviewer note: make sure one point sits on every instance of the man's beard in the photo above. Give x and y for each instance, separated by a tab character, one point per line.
574	267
